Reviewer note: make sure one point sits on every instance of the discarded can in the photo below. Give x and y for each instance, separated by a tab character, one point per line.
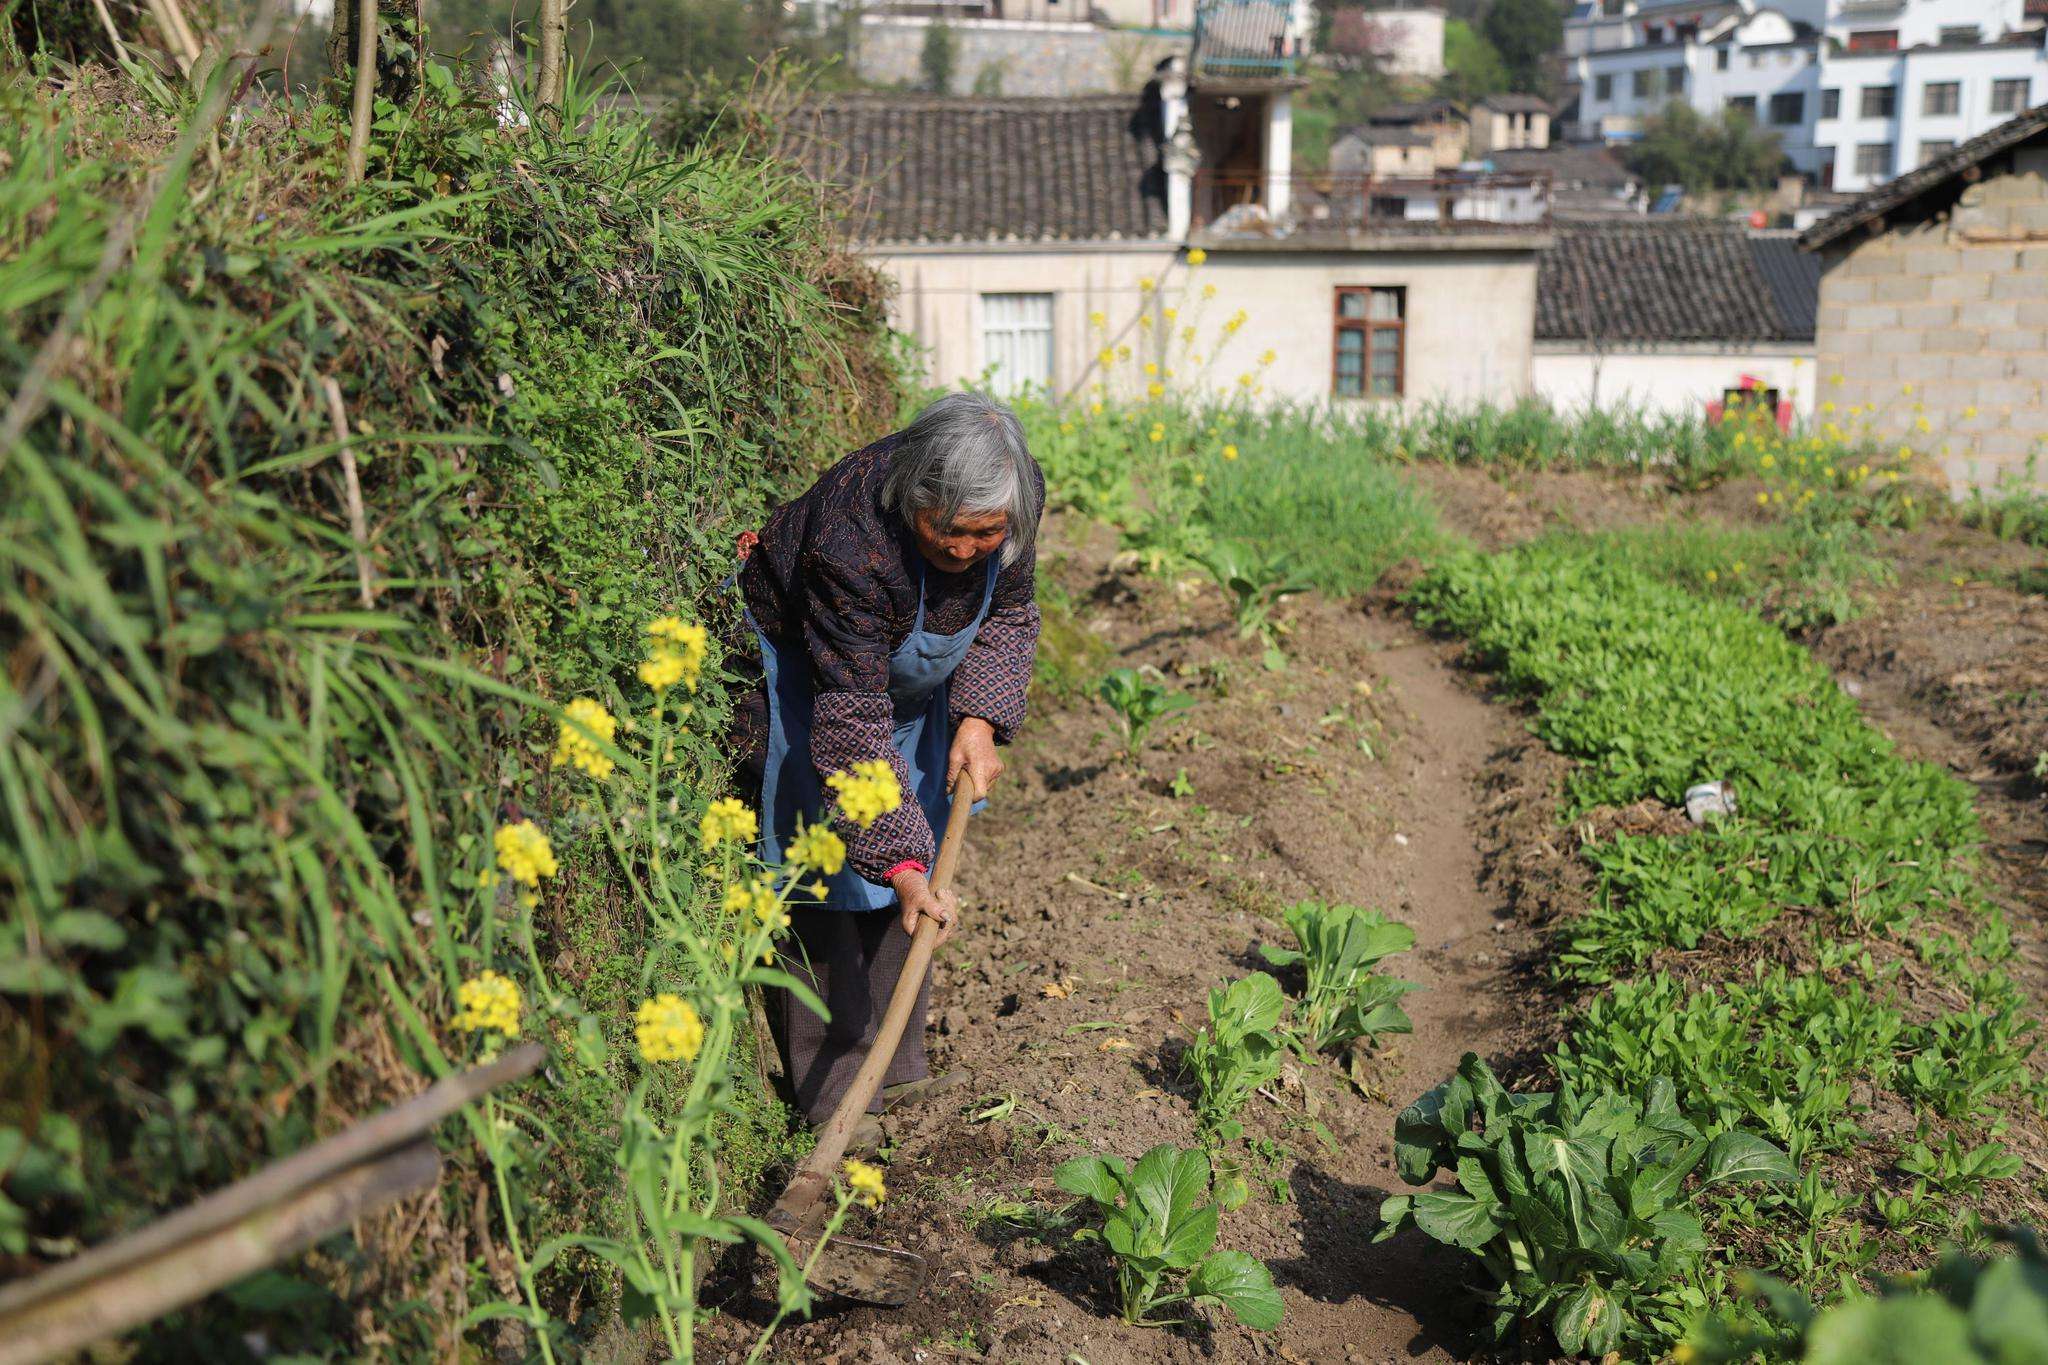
1708	798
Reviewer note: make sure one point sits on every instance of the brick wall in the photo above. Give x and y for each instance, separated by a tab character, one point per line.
1012	58
1944	324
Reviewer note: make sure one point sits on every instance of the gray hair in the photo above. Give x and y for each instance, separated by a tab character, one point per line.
967	453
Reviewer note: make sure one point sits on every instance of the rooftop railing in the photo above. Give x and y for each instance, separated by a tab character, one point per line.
1235	202
1246	39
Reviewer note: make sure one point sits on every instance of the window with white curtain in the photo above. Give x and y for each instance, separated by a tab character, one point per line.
1016	341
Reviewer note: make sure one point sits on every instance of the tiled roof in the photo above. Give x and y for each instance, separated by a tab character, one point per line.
1566	164
1515	104
1388	135
931	168
1417	111
1674	280
1936	173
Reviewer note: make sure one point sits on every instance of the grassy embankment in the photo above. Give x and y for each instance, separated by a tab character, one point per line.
255	748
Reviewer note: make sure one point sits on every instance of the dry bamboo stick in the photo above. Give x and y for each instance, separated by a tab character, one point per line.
113	34
554	32
358	527
365	91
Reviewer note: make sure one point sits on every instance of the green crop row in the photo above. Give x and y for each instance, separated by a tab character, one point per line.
1856	870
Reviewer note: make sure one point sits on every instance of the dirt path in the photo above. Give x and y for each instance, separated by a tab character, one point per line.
1103	908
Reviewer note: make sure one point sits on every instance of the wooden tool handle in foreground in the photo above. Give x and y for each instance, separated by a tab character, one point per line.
832	1138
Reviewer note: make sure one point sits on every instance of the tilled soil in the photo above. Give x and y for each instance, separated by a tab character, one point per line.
1101	908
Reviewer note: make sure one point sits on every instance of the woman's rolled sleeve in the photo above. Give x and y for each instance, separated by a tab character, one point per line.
852	720
995	674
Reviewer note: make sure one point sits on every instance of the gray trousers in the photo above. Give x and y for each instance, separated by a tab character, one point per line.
852	959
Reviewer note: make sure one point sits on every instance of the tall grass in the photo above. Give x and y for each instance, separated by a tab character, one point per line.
246	816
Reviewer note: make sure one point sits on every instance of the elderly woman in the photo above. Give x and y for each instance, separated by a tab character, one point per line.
894	611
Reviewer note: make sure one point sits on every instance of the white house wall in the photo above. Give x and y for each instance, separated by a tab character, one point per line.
1467	336
1671	379
1909	73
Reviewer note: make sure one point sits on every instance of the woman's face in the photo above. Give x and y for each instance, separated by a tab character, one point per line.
958	543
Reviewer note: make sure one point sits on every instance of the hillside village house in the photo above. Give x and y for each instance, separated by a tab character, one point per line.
1026	236
1934	306
1676	315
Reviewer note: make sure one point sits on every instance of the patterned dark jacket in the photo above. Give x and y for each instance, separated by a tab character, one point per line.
833	579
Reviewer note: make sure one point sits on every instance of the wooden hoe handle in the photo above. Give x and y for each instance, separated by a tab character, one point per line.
832	1138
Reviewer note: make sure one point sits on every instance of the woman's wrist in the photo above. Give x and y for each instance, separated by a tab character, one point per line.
907	865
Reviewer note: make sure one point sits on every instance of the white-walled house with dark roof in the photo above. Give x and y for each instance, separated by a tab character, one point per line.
1675	315
1027	238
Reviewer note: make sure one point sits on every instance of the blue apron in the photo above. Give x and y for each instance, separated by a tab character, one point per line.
919	671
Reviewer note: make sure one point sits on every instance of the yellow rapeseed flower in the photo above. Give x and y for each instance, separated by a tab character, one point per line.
1208	291
1145	284
662	669
1105	357
867	793
727	818
1197	256
819	848
865	1181
1767	461
1154	389
1151	367
1169	314
1906	389
675	653
584	723
667	1029
1969	412
487	1003
1230	452
1200	478
750	896
1244	381
1922	424
524	853
1267	358
1096	319
1713	576
1762	498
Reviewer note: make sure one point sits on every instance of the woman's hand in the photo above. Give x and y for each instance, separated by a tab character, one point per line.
914	893
974	752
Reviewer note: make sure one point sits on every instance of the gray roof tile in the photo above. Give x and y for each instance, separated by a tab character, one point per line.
933	168
1673	280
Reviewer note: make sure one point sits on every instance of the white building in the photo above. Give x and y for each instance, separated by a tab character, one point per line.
1763	63
1404	40
1056	244
1857	91
1905	81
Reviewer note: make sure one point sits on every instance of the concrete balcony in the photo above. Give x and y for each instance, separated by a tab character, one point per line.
1321	206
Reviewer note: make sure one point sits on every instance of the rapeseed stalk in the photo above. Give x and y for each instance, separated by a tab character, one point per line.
711	950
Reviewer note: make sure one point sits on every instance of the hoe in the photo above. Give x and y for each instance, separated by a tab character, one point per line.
864	1271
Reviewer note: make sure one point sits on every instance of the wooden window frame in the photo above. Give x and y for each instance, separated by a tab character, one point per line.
2006	85
1365	327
